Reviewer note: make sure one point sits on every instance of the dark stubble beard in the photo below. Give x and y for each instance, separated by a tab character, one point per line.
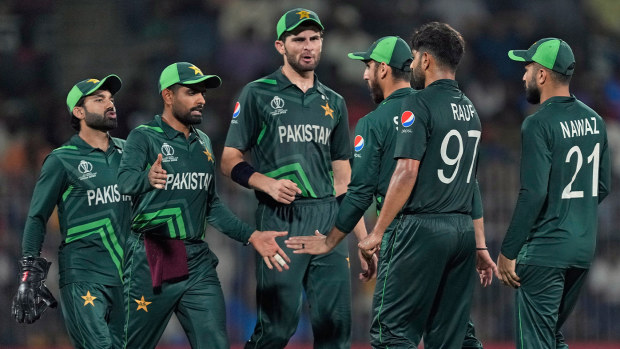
532	92
187	118
299	67
418	80
375	90
99	122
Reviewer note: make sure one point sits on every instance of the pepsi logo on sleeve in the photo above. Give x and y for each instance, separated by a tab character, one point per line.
407	118
237	110
358	144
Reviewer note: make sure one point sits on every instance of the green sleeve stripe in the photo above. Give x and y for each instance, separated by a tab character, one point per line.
172	216
66	193
154	128
267	81
69	147
298	176
261	134
104	228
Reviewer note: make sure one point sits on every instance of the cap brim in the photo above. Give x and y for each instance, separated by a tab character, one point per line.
111	83
209	81
305	20
518	55
358	56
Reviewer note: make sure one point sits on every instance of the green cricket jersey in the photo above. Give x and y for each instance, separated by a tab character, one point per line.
291	134
373	160
189	199
93	215
441	128
565	173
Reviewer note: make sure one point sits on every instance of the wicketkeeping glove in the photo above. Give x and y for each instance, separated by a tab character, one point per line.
32	297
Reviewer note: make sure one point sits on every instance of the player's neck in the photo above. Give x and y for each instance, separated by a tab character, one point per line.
435	74
168	118
555	91
95	138
303	80
389	88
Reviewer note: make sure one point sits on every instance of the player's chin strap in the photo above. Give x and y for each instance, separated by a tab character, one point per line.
32	297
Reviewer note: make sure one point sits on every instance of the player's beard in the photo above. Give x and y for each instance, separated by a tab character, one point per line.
418	80
532	92
186	118
375	90
100	122
300	67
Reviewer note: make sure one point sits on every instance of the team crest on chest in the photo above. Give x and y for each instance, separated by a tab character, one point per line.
277	104
86	169
168	153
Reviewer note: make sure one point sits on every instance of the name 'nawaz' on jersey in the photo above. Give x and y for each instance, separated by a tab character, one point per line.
188	181
104	195
304	133
581	127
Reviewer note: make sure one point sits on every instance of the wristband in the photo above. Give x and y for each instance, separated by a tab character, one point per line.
241	173
481	248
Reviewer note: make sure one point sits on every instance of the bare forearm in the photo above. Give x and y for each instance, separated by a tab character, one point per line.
479	230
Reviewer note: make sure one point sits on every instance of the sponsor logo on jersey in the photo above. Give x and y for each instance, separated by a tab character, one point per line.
188	181
407	118
358	144
277	104
168	153
105	195
237	110
86	169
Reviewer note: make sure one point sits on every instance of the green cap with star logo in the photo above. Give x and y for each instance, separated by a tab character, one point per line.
391	50
551	53
293	18
186	74
86	87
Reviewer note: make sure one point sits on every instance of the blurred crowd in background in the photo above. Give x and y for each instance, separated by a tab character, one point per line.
46	46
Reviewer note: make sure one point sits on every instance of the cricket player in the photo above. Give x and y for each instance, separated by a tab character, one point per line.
388	75
80	179
169	167
297	132
565	174
430	195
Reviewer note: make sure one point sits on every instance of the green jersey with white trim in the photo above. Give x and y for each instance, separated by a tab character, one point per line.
291	134
565	173
189	199
93	215
441	128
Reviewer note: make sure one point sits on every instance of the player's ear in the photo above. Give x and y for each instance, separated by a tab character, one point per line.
78	112
279	44
166	95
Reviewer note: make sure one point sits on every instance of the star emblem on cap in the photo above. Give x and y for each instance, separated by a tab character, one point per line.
196	70
142	304
88	299
303	14
328	111
94	81
208	154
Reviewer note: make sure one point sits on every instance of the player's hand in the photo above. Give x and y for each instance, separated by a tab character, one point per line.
33	297
265	244
370	245
283	190
369	266
485	267
157	174
316	244
506	272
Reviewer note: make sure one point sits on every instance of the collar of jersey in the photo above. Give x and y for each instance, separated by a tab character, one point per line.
85	148
284	82
170	132
558	99
399	93
450	82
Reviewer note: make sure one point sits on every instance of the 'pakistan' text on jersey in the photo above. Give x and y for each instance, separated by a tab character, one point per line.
373	159
440	127
565	173
189	199
93	215
291	134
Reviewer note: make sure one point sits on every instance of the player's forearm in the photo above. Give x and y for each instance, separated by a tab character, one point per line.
34	233
222	219
479	232
399	190
334	237
132	181
526	211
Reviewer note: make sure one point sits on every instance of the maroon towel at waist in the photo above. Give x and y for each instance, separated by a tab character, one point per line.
167	259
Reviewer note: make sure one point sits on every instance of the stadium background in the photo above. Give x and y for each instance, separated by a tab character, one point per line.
46	46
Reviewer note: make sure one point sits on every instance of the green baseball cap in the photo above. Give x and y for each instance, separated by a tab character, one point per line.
551	53
293	18
186	74
391	50
83	88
